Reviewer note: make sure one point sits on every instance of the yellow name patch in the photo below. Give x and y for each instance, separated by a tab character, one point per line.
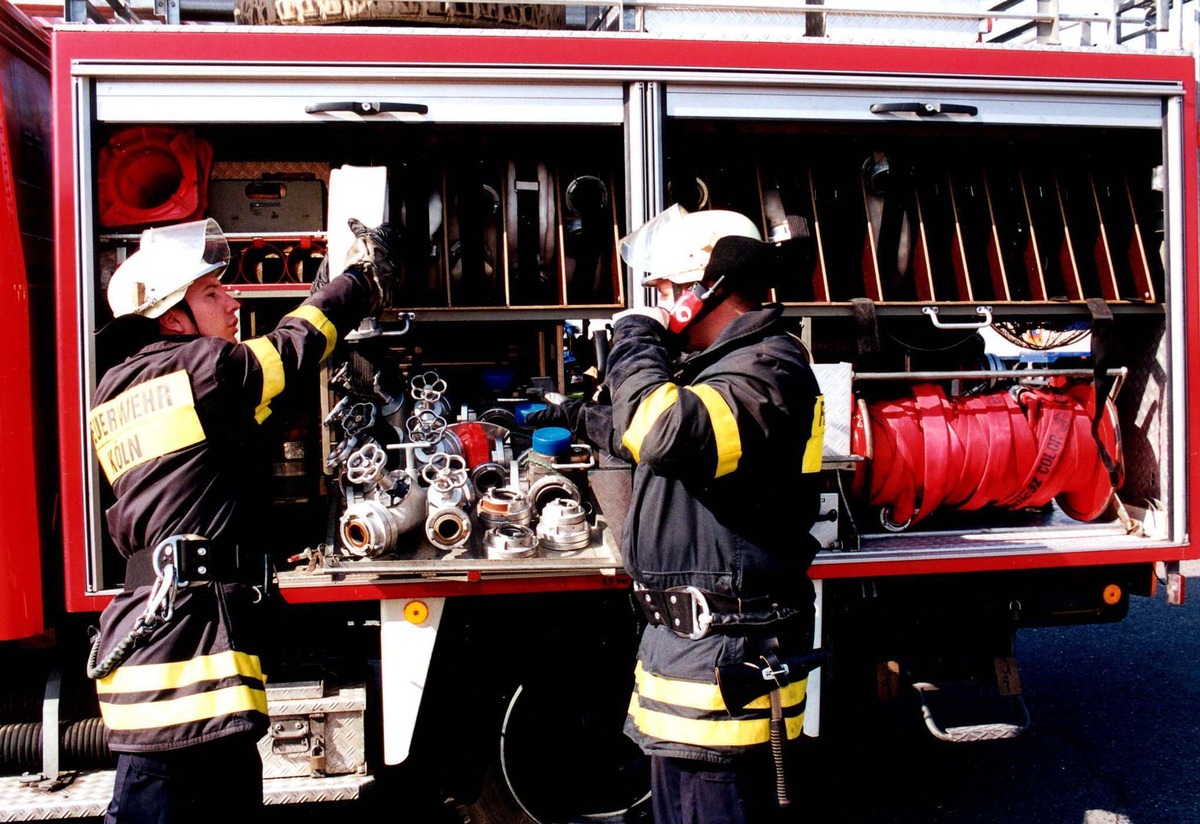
145	422
815	447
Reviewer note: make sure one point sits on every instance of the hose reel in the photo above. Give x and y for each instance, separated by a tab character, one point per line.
1019	448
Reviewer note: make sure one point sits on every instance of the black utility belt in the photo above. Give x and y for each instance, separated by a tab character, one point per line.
693	613
193	560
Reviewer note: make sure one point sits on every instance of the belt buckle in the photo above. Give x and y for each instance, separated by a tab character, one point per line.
701	614
177	551
165	559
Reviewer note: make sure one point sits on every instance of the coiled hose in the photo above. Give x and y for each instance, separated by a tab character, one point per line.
83	744
1011	449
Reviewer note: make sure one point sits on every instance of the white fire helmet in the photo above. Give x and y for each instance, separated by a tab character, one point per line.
168	261
675	244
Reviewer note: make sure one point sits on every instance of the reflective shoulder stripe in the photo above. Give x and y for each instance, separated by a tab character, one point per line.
815	447
273	377
176	674
724	427
323	325
648	411
146	421
188	708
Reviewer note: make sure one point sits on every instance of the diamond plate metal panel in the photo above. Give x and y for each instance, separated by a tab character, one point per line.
1143	406
836	385
87	795
325	734
929	30
315	790
861	25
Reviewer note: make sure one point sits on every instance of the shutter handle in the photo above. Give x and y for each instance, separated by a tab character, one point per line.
923	109
366	107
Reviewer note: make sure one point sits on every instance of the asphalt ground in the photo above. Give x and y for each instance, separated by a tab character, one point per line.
1114	737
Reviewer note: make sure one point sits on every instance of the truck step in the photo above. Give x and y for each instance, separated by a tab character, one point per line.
958	701
86	794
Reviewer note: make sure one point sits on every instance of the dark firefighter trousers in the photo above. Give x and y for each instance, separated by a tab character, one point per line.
684	791
209	782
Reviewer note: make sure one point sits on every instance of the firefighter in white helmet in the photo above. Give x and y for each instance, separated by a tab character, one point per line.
178	431
714	398
672	251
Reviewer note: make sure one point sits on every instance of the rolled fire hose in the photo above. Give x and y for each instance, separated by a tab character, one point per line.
421	216
475	207
302	260
1009	449
584	223
780	225
530	216
261	262
888	196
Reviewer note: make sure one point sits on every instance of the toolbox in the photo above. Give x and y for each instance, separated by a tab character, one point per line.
268	204
311	733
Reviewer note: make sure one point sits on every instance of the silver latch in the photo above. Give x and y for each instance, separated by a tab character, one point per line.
289	730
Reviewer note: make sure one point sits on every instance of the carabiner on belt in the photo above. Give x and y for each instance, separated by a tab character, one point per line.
701	614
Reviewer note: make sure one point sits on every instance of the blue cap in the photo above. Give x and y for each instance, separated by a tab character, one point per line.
551	440
523	409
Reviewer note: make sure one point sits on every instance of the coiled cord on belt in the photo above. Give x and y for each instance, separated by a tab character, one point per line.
1012	449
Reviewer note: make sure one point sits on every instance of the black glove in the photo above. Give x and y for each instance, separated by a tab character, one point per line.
371	253
564	413
321	279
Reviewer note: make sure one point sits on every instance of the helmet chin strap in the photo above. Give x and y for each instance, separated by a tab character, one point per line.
186	308
183	307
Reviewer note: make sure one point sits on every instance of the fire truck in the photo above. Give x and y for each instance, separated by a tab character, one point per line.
999	292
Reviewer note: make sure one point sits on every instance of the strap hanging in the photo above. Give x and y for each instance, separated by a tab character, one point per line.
866	325
1102	326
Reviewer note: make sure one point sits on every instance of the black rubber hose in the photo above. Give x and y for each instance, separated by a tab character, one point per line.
83	744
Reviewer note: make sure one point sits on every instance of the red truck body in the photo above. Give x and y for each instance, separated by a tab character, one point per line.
1043	187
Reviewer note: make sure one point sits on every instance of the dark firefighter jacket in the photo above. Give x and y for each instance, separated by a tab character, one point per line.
177	430
727	443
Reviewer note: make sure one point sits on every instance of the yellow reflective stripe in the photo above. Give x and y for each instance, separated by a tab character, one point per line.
273	378
323	325
648	411
144	422
726	732
724	426
151	677
680	693
815	447
697	696
199	707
